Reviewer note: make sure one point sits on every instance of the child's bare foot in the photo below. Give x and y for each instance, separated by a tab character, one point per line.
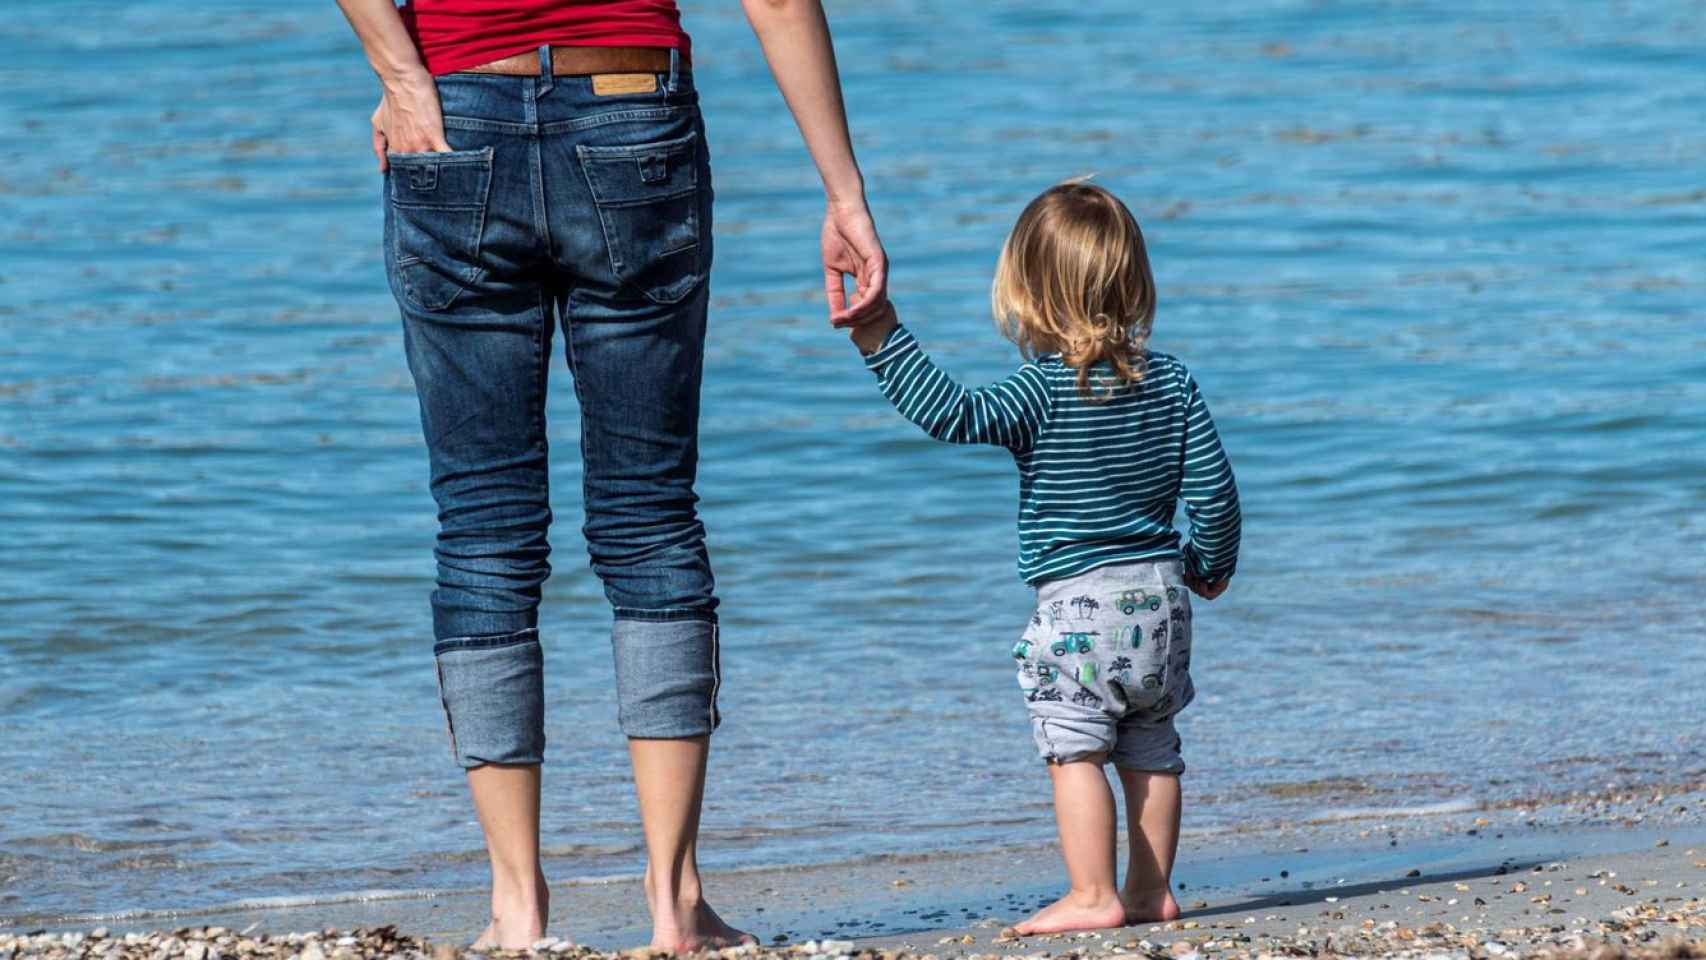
1149	906
1075	912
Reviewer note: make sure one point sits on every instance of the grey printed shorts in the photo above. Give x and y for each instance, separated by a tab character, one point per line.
1105	666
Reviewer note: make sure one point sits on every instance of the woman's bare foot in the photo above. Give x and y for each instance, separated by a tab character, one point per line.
1149	906
685	923
519	916
696	927
1075	912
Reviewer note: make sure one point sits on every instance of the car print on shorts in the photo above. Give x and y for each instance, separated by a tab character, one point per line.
1086	673
1022	650
1045	694
1076	640
1085	698
1130	601
1046	673
1152	681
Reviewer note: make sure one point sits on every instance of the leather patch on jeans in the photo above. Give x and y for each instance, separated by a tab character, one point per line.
610	84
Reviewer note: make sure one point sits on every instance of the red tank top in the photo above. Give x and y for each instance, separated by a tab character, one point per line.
457	34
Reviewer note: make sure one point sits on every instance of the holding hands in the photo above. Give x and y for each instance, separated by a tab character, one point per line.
851	249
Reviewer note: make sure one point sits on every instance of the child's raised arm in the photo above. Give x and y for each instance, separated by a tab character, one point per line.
1009	413
1210	493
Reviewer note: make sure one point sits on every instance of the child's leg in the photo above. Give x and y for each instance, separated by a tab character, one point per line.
1084	812
1152	804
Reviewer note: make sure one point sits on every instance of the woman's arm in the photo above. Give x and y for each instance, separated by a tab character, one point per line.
408	118
795	38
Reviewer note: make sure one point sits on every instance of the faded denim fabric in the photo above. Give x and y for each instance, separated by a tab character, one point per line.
560	205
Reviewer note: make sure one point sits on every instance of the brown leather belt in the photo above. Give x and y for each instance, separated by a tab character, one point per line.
583	61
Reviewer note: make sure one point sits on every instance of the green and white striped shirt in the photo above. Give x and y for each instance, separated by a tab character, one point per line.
1099	479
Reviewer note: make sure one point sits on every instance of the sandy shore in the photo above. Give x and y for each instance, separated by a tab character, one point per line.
1486	884
1643	903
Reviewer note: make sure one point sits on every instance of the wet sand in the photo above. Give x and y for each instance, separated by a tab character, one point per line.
1636	903
1476	885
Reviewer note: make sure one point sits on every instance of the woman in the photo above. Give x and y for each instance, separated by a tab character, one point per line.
545	163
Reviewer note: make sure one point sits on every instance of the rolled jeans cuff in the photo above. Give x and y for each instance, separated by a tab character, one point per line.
667	673
493	689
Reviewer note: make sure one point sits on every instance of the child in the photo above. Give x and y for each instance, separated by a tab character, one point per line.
1108	436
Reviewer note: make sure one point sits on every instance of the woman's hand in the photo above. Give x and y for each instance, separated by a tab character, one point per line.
408	119
851	248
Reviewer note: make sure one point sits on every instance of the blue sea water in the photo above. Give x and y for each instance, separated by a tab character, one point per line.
1436	263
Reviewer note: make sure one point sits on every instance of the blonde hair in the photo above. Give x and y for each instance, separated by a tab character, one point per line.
1074	279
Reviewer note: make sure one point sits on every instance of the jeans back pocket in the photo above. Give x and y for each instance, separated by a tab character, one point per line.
438	209
648	198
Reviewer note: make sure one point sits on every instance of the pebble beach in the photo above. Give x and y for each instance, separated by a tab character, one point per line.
1653	922
1625	894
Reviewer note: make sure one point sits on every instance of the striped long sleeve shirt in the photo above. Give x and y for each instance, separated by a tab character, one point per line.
1099	479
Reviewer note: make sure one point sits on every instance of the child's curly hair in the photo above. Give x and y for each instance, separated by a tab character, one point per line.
1074	279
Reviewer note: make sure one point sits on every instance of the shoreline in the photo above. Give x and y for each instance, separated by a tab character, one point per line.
1239	887
1644	902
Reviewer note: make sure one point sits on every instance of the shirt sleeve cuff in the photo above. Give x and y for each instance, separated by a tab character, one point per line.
1198	567
897	344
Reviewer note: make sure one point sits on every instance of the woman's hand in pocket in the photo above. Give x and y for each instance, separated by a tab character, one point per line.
408	119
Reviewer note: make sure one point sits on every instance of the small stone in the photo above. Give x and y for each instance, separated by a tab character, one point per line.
846	946
99	933
442	951
1413	873
196	951
313	952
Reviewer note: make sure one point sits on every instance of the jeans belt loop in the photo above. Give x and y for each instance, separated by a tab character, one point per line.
547	77
674	69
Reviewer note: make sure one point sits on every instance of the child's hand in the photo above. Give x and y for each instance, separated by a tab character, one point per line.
1204	589
870	336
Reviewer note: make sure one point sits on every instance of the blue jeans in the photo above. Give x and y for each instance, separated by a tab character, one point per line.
559	204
